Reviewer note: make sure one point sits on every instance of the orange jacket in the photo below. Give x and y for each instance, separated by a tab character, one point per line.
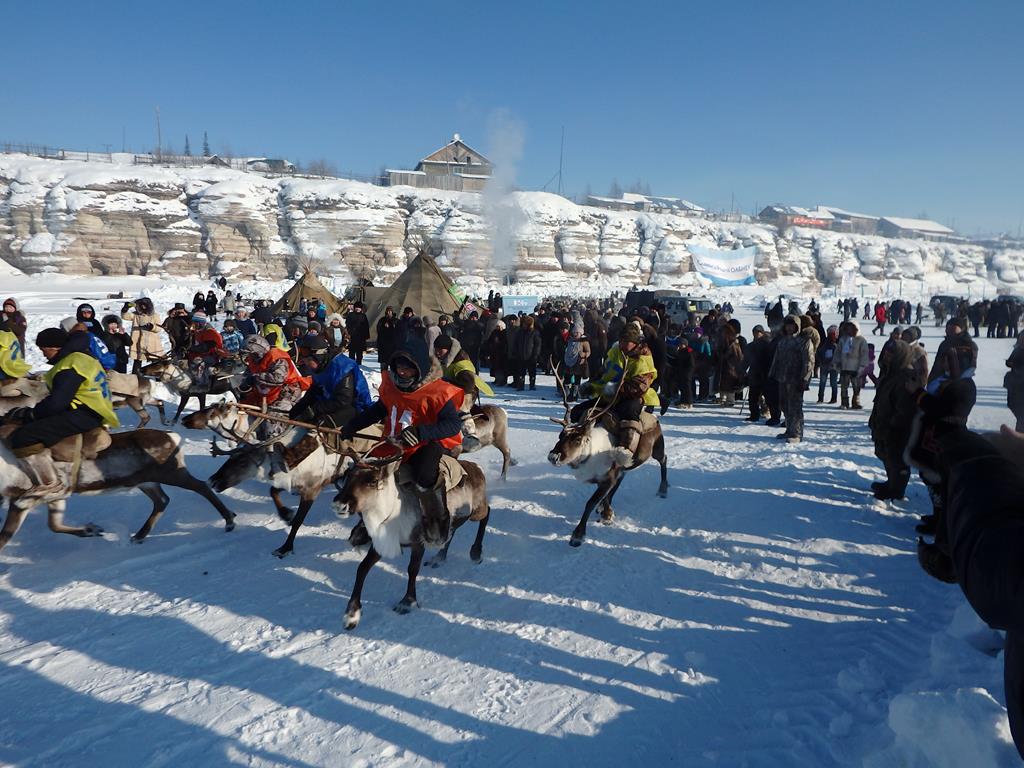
411	409
264	365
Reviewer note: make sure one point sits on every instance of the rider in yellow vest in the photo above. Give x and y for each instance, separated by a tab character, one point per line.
79	401
626	384
12	356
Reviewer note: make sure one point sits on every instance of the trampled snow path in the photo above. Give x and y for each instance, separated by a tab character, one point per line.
767	612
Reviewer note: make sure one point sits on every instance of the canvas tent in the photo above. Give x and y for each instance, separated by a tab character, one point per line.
307	287
423	286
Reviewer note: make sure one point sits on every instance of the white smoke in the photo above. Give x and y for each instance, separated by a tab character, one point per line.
501	209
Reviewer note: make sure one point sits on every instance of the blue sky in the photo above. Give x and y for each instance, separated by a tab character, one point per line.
894	108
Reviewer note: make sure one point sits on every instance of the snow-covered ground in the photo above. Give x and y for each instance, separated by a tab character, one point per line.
768	612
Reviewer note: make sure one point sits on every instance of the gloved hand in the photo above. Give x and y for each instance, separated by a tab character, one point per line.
410	436
304	414
147	327
127	305
18	415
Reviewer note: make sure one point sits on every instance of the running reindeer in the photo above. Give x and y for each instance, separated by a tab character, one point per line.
101	463
587	447
309	460
392	516
484	426
126	390
178	380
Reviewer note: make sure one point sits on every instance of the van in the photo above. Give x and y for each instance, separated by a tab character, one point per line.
678	307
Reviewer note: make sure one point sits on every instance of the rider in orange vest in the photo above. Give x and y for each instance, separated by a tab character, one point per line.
420	410
272	378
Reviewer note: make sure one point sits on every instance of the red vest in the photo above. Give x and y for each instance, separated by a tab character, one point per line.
209	335
410	409
254	396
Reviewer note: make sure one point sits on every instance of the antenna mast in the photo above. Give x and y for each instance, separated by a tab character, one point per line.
561	154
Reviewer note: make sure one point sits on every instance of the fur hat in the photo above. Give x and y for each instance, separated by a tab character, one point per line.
199	317
51	337
255	345
631	333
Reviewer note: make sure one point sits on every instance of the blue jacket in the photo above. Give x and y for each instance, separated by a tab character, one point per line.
340	367
101	352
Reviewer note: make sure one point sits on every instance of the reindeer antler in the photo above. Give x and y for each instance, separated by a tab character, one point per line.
564	421
216	450
593	414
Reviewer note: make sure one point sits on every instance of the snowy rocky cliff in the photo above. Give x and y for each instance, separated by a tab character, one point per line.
96	218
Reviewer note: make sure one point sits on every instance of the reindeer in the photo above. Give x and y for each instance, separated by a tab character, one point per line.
125	390
143	459
315	466
392	514
490	427
588	449
179	382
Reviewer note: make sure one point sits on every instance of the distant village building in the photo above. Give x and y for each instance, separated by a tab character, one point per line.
921	229
783	216
856	223
456	166
269	165
630	201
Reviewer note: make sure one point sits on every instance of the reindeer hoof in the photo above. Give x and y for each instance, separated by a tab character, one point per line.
137	538
229	526
352	618
514	462
406	605
91	530
663	492
476	554
281	553
575	541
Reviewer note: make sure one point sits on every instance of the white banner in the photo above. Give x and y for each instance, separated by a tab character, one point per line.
734	267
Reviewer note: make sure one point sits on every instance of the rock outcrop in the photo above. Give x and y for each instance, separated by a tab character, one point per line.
95	218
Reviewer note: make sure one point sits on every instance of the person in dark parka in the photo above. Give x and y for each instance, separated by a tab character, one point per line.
759	354
984	526
891	416
358	331
388	333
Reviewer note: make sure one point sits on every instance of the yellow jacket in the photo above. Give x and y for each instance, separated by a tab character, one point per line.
638	369
280	342
94	392
12	357
458	367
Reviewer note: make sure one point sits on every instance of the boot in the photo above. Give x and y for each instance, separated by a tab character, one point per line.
935	562
855	405
845	404
433	514
821	397
833	400
38	465
629	440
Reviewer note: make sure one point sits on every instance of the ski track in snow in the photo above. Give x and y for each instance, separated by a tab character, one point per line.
766	613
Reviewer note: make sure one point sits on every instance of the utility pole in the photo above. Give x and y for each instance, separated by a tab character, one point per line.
159	138
122	138
561	155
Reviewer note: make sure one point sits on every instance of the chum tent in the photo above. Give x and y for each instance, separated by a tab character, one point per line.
307	287
423	286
